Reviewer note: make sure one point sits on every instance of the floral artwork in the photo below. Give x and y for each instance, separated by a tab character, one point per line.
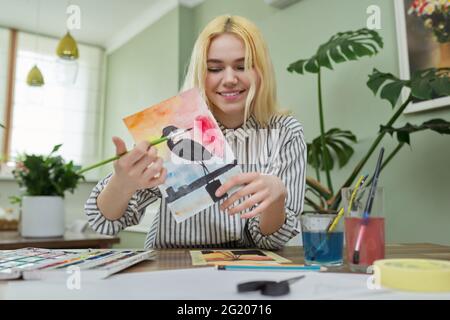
197	156
423	34
436	17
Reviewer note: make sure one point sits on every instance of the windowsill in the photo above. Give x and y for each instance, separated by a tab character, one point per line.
10	177
6	174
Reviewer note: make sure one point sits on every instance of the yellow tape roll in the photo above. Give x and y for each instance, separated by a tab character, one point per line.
423	275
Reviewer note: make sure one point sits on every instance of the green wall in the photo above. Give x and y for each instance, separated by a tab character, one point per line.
129	240
416	182
142	72
187	34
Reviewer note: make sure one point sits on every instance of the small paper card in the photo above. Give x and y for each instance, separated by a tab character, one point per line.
236	257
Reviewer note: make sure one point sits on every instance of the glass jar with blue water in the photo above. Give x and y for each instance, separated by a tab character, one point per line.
322	244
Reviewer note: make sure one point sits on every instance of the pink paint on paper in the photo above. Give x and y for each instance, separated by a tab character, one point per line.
211	136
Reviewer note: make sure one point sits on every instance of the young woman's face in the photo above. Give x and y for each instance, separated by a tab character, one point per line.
227	82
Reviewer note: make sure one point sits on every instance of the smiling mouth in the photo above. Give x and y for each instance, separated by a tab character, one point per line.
231	94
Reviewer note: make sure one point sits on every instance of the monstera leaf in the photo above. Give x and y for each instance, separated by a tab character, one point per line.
341	47
438	125
337	143
424	84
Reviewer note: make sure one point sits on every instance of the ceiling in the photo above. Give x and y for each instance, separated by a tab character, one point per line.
105	23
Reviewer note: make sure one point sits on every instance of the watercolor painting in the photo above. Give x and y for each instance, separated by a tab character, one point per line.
197	157
235	257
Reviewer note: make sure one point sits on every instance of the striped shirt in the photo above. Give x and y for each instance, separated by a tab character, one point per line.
278	149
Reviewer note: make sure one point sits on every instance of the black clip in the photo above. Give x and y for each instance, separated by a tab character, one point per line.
268	288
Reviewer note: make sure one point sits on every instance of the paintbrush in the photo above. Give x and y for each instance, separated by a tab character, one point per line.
152	143
368	208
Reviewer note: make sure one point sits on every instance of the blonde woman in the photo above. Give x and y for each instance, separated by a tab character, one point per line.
230	64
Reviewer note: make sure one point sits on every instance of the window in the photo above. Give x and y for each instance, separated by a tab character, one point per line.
4	47
56	112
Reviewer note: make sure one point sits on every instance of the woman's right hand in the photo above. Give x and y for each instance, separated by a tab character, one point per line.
141	168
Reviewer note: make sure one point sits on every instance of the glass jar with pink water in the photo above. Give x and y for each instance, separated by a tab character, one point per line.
364	235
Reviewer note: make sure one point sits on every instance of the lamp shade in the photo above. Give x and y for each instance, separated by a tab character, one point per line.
66	71
35	77
67	48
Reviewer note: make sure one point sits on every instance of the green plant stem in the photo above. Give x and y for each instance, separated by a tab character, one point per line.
393	153
369	153
388	159
322	190
312	204
322	132
318	195
317	169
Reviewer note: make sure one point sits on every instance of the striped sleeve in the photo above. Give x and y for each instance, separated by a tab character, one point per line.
132	215
291	167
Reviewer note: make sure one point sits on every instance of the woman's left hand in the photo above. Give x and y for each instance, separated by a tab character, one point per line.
264	191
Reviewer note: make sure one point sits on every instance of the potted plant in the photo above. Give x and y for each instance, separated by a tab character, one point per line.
44	180
335	143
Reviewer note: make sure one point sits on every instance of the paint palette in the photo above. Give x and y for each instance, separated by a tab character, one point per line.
33	263
14	262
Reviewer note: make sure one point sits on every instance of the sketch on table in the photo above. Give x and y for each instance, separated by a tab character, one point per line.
237	256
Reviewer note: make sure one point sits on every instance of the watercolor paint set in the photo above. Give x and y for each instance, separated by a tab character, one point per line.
14	262
39	264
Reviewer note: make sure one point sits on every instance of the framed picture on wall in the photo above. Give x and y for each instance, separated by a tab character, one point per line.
423	36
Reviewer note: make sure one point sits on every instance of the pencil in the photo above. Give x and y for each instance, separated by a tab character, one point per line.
359	184
271	268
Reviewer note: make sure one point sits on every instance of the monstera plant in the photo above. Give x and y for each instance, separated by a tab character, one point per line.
335	144
344	46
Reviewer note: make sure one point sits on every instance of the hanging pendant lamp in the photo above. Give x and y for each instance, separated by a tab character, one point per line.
67	48
35	78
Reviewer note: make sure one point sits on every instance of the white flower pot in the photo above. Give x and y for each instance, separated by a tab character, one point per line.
42	216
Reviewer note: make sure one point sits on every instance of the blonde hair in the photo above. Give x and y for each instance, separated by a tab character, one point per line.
262	103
